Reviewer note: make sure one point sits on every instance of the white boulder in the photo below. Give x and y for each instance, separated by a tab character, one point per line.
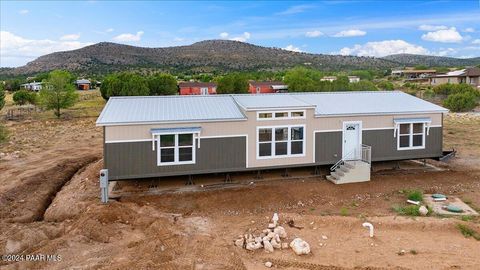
240	242
267	246
268	264
300	247
280	231
275	244
253	246
423	210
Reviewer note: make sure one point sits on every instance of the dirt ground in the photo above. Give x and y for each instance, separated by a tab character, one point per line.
49	199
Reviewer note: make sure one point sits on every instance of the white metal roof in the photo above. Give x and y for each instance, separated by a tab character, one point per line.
155	109
366	102
158	109
270	101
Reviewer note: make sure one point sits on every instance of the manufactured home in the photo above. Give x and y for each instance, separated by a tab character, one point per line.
187	135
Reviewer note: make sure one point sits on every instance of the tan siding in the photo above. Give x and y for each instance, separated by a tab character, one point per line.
249	127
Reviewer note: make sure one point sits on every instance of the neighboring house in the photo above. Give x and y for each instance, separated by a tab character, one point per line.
197	88
83	84
469	76
187	135
33	86
413	74
329	78
266	87
353	79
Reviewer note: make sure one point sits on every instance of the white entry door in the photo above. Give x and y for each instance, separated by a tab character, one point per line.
352	139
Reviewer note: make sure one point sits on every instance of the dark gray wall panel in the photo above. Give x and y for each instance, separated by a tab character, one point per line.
384	145
328	148
136	159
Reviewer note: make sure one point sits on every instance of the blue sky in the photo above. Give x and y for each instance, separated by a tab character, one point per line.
374	28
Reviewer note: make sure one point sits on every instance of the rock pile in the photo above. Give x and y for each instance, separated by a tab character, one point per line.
271	238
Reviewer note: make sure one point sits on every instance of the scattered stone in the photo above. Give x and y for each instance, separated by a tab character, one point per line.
423	210
401	252
240	242
275	244
280	231
267	246
268	264
253	246
324	237
275	219
285	245
300	247
271	226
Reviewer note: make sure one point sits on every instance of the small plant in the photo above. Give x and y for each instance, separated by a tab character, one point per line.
344	211
413	251
415	195
3	134
410	210
467	218
468	232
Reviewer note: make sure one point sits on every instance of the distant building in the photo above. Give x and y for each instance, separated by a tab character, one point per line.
255	87
413	74
83	84
197	88
469	76
329	78
353	79
33	86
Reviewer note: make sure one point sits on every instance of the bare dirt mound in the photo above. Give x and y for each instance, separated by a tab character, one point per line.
28	200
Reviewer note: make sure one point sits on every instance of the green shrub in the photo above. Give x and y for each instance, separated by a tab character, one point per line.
409	210
468	232
429	93
461	102
3	134
385	85
344	211
23	97
415	195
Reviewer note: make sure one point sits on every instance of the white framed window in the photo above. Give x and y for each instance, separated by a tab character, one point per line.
411	136
175	149
280	115
280	141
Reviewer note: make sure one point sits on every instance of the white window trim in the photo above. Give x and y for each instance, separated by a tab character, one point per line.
289	140
289	117
424	134
176	148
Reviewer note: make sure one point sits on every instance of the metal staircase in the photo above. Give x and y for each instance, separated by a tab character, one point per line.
353	168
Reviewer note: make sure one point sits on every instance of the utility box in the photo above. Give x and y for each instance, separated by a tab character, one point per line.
104	185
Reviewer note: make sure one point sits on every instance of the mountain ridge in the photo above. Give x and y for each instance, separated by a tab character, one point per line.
207	56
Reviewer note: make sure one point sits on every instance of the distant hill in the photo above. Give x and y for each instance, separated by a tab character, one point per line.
431	61
207	56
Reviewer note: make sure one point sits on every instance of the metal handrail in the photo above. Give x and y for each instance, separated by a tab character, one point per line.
363	154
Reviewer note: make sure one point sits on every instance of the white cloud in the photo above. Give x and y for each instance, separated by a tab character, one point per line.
224	35
24	12
446	52
295	10
16	50
109	30
242	38
469	30
450	35
383	48
128	37
427	27
179	39
476	41
292	48
314	33
350	33
70	37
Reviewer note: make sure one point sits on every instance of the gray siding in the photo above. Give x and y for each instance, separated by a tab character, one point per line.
384	145
137	160
328	148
